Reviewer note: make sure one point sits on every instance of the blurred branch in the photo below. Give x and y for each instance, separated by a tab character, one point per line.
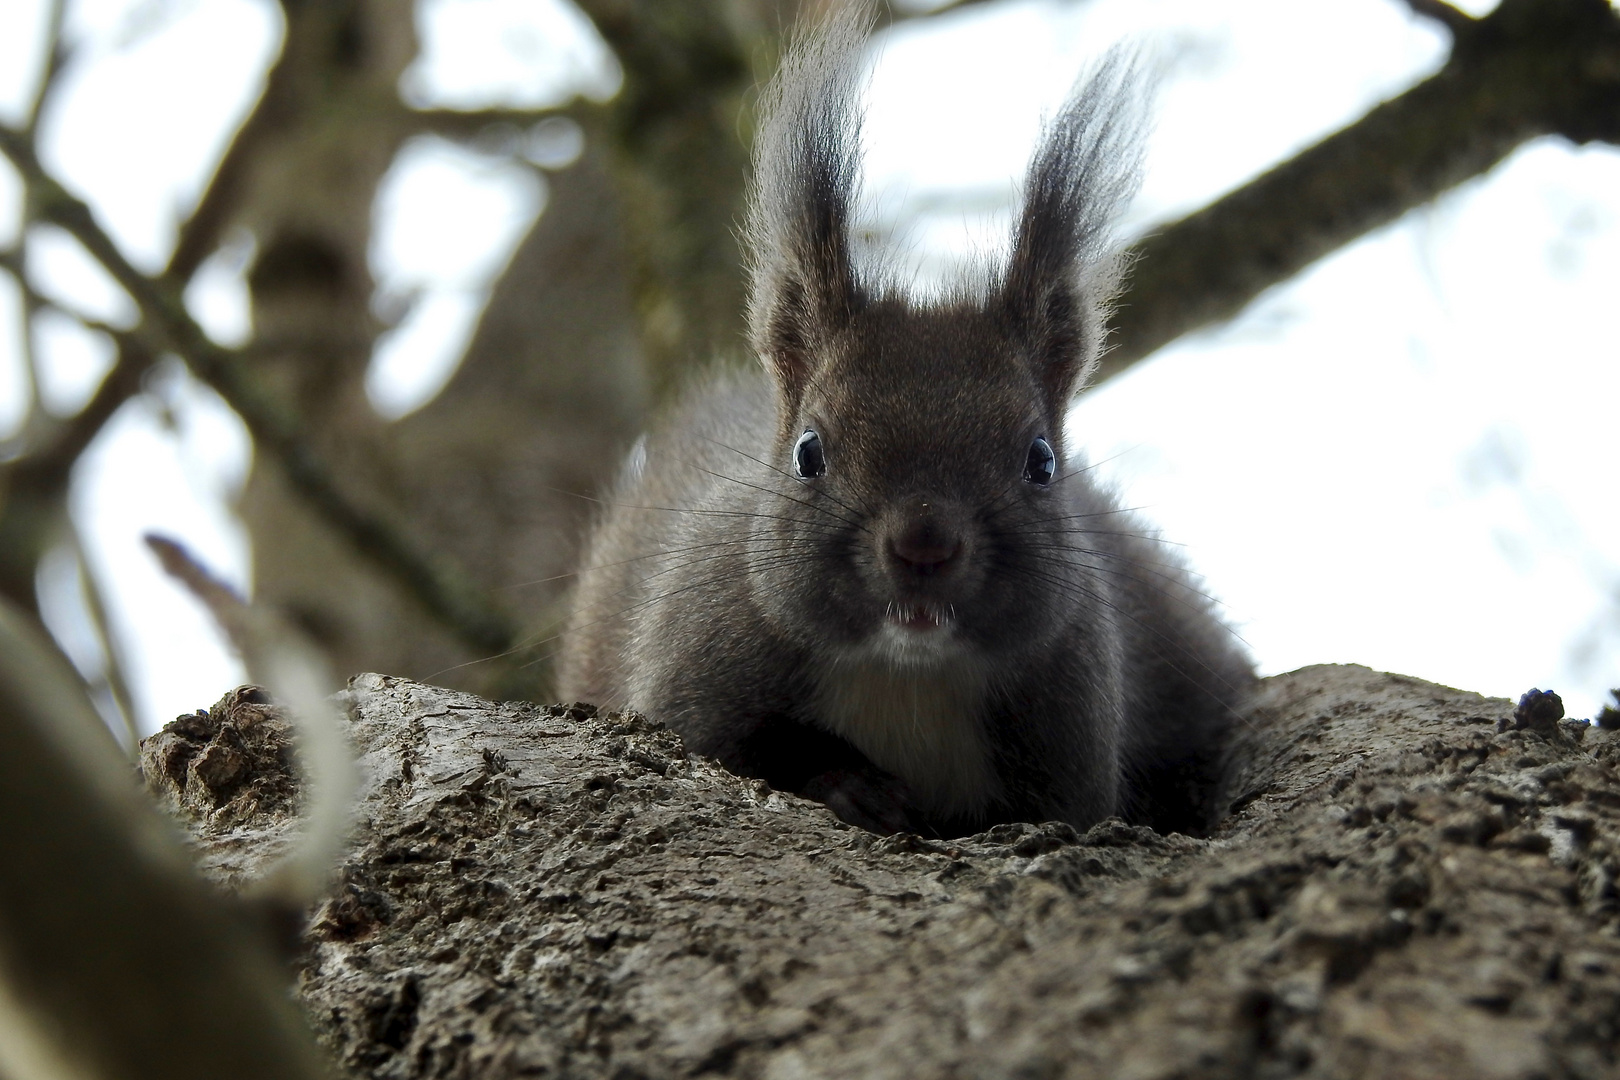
33	488
1458	22
14	261
1530	68
440	588
286	107
119	963
279	111
286	662
117	685
56	57
889	14
459	124
678	136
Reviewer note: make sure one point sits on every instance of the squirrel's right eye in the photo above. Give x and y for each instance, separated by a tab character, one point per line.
808	460
1041	464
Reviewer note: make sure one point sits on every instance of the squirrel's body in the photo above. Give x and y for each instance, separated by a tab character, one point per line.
864	572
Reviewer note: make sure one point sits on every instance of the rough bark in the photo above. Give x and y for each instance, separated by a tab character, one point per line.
1413	881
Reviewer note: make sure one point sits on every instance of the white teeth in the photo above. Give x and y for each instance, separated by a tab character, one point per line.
916	618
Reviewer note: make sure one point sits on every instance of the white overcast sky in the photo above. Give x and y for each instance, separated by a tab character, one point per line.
1406	457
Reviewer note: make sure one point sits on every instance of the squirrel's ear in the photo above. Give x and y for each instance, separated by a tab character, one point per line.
1063	269
802	283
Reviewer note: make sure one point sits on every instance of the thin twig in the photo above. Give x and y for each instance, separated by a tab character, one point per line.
15	262
464	124
113	664
440	588
51	457
888	14
56	58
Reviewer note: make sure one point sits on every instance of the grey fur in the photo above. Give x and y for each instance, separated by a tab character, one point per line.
923	637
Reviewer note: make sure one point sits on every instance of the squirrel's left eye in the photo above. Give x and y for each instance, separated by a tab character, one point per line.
1041	464
808	460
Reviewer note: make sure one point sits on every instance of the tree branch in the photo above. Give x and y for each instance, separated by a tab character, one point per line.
888	15
56	58
1531	68
124	963
33	487
1458	22
465	124
441	589
113	679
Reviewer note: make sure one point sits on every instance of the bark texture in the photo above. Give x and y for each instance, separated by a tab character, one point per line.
1413	881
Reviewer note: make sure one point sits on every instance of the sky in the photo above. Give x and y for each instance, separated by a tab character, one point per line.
1404	457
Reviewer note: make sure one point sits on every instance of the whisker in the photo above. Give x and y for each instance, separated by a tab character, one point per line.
780	472
770	491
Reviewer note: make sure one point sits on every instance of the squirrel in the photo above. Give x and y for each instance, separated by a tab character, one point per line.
866	571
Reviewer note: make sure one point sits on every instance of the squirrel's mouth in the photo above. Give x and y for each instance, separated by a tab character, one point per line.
917	618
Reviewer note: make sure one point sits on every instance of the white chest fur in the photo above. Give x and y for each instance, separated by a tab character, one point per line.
918	721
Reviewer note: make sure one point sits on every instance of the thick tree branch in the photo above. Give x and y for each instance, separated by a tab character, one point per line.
679	158
441	589
1413	881
1531	68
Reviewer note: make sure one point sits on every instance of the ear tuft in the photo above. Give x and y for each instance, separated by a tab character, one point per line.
1064	267
802	283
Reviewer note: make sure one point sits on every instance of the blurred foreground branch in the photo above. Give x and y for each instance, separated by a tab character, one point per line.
116	961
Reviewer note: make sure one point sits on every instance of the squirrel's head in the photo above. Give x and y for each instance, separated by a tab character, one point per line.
919	417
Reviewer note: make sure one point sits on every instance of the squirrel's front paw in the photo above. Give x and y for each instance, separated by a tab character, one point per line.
867	798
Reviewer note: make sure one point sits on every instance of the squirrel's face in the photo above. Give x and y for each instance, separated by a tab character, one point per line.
923	468
919	502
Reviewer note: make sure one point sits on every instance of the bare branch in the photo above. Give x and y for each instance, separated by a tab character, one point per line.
281	658
230	611
441	589
14	262
1458	22
888	15
1531	68
459	124
118	958
56	58
273	114
35	485
117	685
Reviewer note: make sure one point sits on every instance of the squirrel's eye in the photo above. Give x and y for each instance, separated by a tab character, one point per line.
1041	465
808	460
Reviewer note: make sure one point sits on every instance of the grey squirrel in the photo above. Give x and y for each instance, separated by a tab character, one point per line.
864	572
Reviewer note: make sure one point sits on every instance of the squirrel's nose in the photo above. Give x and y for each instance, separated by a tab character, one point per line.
924	540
